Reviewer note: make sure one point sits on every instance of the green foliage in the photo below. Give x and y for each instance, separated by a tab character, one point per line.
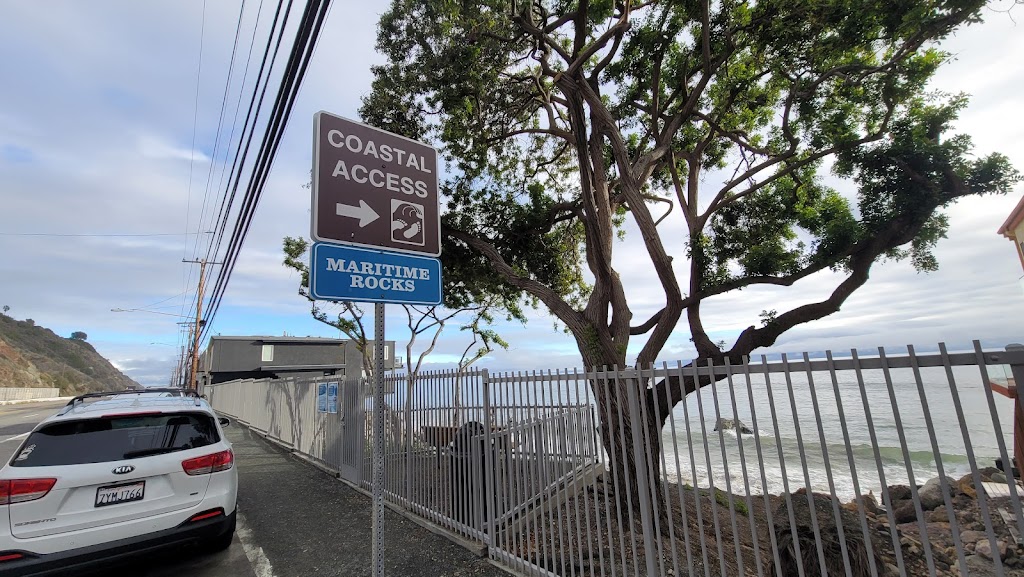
562	130
79	336
722	498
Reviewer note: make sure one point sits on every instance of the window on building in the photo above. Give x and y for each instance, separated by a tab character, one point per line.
268	353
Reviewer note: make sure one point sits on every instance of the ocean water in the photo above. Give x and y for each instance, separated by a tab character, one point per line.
793	449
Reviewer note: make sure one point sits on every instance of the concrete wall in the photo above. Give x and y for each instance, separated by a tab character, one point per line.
23	394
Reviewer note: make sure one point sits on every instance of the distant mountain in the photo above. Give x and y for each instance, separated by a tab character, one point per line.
33	356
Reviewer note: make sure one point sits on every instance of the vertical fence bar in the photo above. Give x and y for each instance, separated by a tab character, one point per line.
712	490
548	533
613	458
642	480
698	506
713	385
914	495
803	464
972	461
684	518
666	495
755	542
840	527
587	436
490	466
886	499
782	465
530	533
557	507
651	431
937	455
574	491
858	498
769	514
1007	466
591	382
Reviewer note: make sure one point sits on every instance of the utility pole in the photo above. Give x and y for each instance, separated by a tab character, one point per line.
199	319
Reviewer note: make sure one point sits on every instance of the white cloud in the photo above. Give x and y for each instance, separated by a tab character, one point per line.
103	96
154	147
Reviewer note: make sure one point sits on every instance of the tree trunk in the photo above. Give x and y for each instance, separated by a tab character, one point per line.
631	436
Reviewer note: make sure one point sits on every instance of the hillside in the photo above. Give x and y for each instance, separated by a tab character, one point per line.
33	356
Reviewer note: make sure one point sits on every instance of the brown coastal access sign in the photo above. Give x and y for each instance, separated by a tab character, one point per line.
373	189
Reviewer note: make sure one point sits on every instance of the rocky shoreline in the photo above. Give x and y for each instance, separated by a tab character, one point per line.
934	533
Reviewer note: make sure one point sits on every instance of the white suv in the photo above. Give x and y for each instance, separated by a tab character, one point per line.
114	475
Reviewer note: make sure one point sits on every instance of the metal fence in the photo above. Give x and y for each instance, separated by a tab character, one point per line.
808	465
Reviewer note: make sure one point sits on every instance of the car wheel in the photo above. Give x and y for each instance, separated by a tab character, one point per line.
221	542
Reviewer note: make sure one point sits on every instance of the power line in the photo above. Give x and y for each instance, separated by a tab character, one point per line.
118	234
220	118
240	154
191	162
238	108
298	62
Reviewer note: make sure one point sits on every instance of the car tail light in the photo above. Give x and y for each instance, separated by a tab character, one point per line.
21	490
10	556
207	515
207	464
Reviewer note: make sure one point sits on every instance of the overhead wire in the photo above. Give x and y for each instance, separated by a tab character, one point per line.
238	163
220	118
195	122
99	234
238	108
298	62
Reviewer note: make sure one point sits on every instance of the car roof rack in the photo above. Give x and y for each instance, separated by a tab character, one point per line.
182	392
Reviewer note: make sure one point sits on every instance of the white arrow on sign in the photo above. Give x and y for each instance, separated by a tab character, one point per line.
363	212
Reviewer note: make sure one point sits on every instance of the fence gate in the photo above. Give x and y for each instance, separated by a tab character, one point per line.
352	429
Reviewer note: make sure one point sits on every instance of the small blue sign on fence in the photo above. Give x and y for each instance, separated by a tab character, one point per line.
321	398
342	273
332	397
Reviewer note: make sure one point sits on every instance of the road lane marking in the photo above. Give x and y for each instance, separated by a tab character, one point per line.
257	558
16	437
33	415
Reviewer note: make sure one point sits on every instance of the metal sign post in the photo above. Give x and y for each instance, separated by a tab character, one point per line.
376	227
377	550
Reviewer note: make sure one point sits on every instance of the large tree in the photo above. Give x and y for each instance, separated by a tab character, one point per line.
563	120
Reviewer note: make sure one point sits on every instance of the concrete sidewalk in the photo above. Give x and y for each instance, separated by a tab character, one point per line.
308	523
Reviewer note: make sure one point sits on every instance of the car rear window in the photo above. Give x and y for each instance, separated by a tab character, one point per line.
115	438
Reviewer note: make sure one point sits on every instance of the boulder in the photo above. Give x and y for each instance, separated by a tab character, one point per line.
984	548
969	537
931	495
966	487
732	425
898	493
905	512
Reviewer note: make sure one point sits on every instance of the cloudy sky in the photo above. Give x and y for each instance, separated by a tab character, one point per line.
102	136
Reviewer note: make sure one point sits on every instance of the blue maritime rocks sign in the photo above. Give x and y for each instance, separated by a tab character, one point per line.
344	273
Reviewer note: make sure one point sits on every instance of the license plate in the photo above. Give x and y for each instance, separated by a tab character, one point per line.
114	494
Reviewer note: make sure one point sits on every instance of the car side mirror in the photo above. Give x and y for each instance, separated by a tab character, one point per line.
224	421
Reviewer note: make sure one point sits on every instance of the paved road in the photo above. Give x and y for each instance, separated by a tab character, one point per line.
15	423
17	420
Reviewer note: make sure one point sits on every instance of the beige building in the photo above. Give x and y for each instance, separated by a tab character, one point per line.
1013	229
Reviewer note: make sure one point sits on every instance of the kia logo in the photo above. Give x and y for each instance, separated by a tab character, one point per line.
123	469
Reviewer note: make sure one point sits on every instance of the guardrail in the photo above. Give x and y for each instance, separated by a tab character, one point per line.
28	393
